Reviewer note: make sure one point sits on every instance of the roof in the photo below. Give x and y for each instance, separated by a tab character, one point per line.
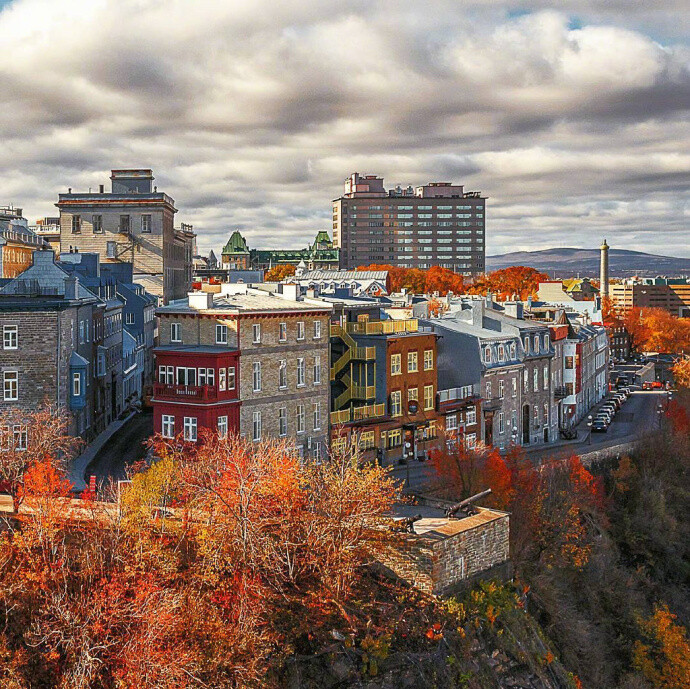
250	302
435	525
236	244
194	349
336	275
467	328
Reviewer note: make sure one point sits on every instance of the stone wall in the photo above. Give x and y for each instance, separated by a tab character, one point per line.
436	562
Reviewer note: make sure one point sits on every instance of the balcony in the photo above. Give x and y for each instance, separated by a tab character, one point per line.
560	392
493	404
391	327
455	394
338	417
193	393
368	411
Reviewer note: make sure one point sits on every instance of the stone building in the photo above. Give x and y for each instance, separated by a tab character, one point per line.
235	254
282	346
133	223
52	344
442	553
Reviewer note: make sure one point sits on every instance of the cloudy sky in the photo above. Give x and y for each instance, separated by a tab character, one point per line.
573	121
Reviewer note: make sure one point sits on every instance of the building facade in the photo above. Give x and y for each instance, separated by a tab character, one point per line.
383	389
670	294
438	224
17	242
282	349
134	223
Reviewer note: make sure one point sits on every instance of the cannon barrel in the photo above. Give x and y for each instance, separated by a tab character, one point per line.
467	502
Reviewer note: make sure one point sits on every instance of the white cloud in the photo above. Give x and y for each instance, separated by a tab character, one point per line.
252	114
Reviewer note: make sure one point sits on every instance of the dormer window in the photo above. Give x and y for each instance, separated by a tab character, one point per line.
487	355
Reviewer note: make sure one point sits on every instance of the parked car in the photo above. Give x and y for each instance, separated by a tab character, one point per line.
604	416
599	426
652	385
609	407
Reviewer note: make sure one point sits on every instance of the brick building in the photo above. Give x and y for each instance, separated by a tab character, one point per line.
438	224
670	294
133	223
384	384
281	347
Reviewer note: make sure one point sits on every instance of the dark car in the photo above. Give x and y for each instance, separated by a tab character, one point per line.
599	426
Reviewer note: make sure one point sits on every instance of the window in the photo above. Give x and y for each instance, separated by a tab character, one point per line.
501	389
317	370
76	224
535	380
501	423
547	343
111	249
221	334
129	319
428	397
488	390
396	364
395	438
300	330
428	359
396	403
256	426
256	333
175	332
367	440
487	355
76	384
512	350
146	226
526	344
536	344
515	386
546	414
570	362
256	376
317	416
282	422
10	337
186	376
300	373
282	332
10	385
470	441
207	376
231	377
222	426
300	418
124	224
525	381
168	426
546	377
536	415
317	330
412	394
501	353
282	374
20	437
97	224
471	416
190	429
451	422
412	362
222	378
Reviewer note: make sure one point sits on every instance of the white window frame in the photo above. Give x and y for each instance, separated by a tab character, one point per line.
317	416
231	378
190	429
10	385
300	419
282	374
167	426
282	422
222	426
256	333
471	416
175	332
317	330
301	373
10	337
222	378
317	370
76	384
256	426
221	333
282	332
256	376
300	330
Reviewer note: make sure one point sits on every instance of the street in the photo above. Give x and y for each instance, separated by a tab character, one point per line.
125	447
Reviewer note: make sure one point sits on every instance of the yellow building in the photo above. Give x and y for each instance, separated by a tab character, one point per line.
17	243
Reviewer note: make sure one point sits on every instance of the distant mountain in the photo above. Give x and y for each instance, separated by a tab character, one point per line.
585	262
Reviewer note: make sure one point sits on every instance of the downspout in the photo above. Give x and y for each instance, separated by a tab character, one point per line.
57	357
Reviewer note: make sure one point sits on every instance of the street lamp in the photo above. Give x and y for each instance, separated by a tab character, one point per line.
659	412
589	426
514	435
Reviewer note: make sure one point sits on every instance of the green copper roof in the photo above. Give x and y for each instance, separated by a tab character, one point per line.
236	245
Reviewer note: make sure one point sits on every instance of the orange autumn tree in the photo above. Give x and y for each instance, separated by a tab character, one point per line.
663	656
417	281
280	272
522	281
681	371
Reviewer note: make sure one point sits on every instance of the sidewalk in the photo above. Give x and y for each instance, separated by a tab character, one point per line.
78	466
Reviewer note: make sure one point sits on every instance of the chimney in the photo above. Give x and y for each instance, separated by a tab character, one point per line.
200	300
71	287
478	308
69	190
290	291
101	188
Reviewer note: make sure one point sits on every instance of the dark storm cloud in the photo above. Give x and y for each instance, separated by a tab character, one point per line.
252	114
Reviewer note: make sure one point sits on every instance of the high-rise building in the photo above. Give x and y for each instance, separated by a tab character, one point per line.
133	223
438	224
